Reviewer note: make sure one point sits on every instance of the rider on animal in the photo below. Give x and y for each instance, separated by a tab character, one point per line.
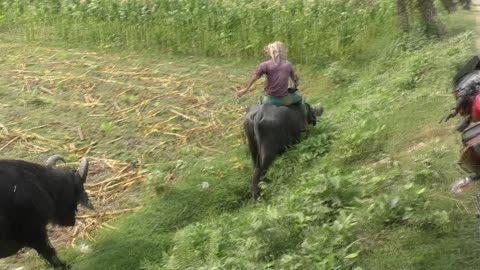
278	71
273	126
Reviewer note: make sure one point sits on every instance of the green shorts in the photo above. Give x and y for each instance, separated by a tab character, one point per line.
289	99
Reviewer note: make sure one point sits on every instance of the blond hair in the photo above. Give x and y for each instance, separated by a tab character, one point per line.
277	52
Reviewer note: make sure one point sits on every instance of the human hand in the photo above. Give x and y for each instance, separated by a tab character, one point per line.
242	92
452	114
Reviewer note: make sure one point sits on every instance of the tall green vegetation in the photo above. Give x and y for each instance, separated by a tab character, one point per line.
428	12
315	31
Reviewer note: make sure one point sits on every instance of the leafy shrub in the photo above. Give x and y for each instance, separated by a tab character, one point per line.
329	246
360	142
408	204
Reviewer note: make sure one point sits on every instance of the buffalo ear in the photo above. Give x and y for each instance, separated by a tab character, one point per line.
81	194
311	115
82	173
83	170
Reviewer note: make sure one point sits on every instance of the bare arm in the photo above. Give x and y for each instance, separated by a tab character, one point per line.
252	80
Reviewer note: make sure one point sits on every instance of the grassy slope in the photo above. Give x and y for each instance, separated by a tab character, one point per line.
406	92
403	90
416	140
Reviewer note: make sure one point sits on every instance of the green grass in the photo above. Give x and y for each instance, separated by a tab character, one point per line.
367	187
409	249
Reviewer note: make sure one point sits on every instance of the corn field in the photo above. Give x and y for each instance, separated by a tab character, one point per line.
314	30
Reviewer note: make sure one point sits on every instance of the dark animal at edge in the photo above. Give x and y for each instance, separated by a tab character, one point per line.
31	196
270	130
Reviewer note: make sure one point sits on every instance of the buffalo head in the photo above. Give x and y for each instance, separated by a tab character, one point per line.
313	113
70	190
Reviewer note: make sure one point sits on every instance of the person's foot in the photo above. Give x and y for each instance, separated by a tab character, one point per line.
464	184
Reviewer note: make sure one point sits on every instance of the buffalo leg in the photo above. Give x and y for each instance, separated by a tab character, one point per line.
45	249
263	163
254	188
252	143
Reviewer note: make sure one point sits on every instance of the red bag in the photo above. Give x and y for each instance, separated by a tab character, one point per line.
476	109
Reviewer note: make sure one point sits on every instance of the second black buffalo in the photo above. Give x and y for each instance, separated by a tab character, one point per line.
33	195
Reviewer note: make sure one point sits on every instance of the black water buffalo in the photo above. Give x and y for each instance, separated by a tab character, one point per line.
31	196
270	130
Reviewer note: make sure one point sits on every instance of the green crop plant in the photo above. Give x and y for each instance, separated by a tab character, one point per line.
315	31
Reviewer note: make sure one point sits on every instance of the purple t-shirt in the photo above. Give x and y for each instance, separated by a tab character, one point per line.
276	84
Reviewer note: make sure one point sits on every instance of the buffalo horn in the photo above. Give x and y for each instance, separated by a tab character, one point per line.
83	169
52	161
